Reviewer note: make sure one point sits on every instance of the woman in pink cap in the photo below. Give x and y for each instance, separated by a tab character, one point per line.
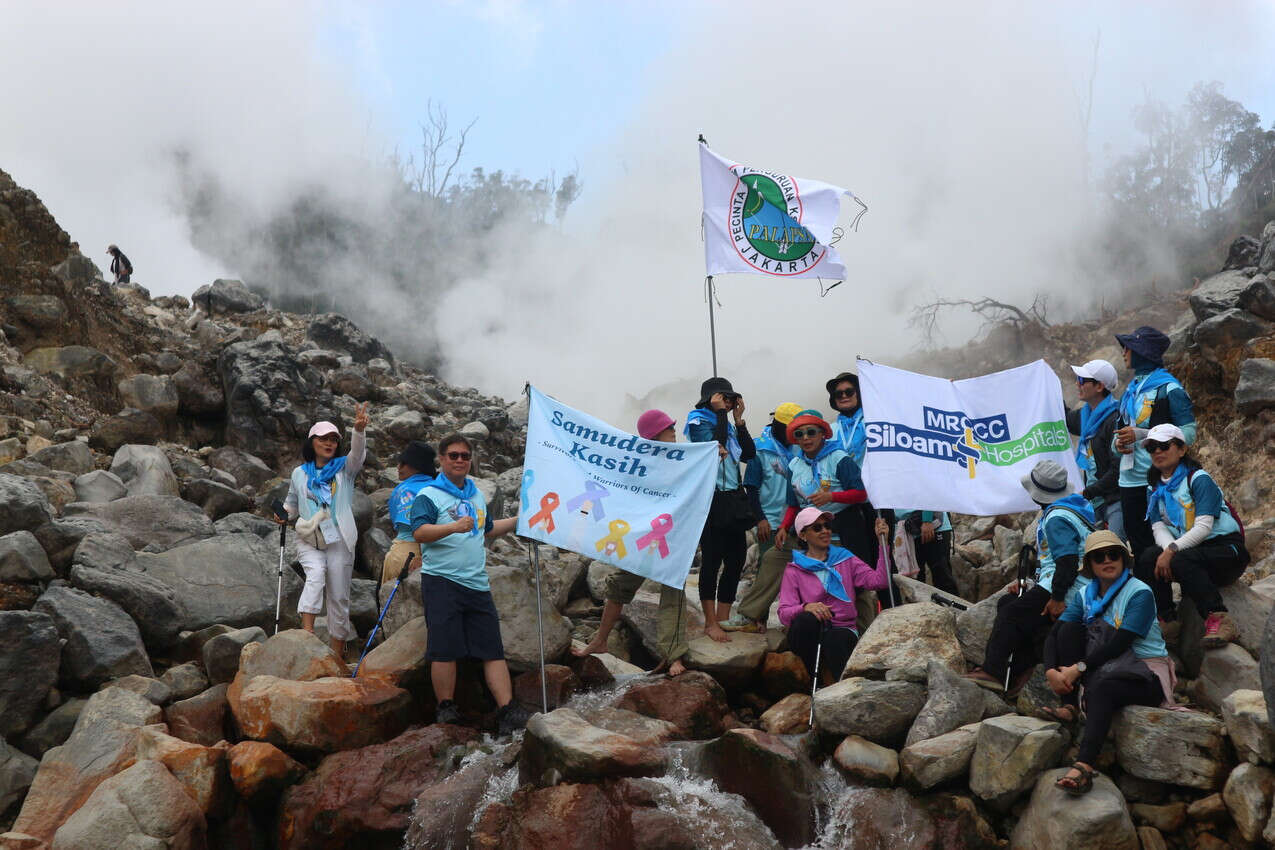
816	599
322	489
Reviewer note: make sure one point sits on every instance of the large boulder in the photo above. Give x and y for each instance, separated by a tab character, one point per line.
1255	390
733	662
268	396
23	560
364	797
907	636
881	712
514	595
791	715
1249	727
226	296
1248	798
99	486
1266	661
1054	819
154	606
28	666
1218	293
143	806
53	730
199	390
401	659
974	626
101	641
155	394
260	770
22	505
891	818
70	361
17	769
216	499
1010	754
145	471
74	457
694	702
325	715
772	776
335	332
130	425
445	810
935	761
1259	297
951	702
231	579
200	719
295	654
1225	670
248	470
221	652
863	761
1178	747
563	746
200	769
164	521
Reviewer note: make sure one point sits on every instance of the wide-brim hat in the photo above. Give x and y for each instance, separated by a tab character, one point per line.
1103	540
1147	342
1047	483
711	387
808	417
832	382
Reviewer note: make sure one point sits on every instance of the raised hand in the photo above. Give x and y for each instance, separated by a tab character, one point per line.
360	417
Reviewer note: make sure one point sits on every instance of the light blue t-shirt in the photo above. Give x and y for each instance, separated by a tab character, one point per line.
461	558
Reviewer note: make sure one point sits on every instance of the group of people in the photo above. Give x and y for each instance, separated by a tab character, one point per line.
1099	602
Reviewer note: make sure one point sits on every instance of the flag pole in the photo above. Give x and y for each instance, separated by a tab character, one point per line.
712	326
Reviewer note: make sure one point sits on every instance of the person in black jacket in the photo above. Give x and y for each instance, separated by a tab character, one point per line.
120	266
1095	424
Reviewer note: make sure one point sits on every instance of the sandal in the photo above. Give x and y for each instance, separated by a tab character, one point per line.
981	677
1064	714
1079	785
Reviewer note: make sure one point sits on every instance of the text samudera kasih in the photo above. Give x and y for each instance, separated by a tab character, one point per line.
954	436
627	443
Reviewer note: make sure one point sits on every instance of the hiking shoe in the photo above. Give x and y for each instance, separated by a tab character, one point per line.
1219	630
447	712
512	717
739	623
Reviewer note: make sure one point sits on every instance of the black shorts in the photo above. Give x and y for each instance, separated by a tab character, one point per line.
461	622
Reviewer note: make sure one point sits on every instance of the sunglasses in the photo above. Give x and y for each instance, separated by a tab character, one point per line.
1102	556
802	433
818	526
328	438
845	393
459	455
1083	381
1158	447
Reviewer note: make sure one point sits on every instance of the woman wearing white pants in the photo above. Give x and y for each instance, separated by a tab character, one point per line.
327	481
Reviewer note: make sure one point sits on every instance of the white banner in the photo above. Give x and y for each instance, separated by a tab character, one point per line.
962	446
612	496
759	222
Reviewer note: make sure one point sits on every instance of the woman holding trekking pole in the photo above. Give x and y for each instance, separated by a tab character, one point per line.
320	499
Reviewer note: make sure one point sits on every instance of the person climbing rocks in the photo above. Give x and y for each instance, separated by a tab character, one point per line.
1023	615
1153	397
1094	424
766	481
719	417
931	533
622	586
449	518
416	470
120	266
321	496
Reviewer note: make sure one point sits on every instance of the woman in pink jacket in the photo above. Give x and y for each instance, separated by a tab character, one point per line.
816	599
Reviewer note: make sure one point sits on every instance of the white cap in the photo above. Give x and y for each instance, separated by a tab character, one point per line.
1164	433
1100	371
321	428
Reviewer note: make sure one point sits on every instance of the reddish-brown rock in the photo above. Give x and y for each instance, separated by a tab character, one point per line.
444	810
784	673
326	715
201	770
400	661
200	719
591	670
561	683
258	769
789	716
363	798
773	777
562	746
693	702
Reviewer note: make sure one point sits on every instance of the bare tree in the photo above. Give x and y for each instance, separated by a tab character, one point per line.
1084	107
440	152
925	318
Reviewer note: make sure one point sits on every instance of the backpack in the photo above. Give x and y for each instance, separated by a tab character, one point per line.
1235	515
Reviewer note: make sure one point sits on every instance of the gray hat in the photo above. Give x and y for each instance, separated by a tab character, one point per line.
1047	483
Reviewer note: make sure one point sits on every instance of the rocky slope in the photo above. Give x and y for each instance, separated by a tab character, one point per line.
143	702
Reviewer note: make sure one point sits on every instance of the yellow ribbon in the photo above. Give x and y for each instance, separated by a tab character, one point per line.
618	528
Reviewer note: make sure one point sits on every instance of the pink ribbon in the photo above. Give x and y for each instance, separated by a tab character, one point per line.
660	527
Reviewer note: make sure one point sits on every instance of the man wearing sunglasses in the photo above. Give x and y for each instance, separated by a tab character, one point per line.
1094	423
451	522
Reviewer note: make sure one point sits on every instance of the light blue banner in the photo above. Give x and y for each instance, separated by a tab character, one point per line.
637	504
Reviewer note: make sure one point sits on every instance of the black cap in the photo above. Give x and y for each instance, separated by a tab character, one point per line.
419	456
712	386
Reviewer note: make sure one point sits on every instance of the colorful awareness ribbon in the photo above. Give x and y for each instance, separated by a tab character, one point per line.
595	493
548	504
660	527
528	477
614	542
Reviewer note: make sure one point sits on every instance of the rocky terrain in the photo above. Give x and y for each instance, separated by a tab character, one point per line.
145	702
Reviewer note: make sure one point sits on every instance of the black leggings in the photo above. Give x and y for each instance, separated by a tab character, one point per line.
1108	696
934	558
724	549
1201	570
838	643
1020	625
1133	501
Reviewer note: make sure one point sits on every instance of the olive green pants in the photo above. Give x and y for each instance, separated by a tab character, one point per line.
670	629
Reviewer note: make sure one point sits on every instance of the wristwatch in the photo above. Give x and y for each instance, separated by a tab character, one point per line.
1172	547
1081	666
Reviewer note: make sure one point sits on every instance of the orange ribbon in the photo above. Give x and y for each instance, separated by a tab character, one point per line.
548	503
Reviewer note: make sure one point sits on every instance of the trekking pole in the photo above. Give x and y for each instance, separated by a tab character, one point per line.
814	685
889	575
1021	577
282	513
540	626
402	574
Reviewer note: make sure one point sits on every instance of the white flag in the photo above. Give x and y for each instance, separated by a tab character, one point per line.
962	446
759	222
636	504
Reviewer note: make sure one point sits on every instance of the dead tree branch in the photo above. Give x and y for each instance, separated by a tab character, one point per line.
925	317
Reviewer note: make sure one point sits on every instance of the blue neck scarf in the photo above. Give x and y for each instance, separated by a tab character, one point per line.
1094	605
825	570
828	447
766	442
1091	419
1164	495
1075	502
1152	380
709	417
853	437
442	482
319	478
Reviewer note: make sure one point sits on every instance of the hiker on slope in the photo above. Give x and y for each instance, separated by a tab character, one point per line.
1094	423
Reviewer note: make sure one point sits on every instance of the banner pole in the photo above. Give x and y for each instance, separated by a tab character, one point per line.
540	626
712	326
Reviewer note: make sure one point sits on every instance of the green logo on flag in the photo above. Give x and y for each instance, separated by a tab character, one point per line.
770	223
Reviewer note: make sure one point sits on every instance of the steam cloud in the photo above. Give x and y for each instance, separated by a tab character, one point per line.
957	123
